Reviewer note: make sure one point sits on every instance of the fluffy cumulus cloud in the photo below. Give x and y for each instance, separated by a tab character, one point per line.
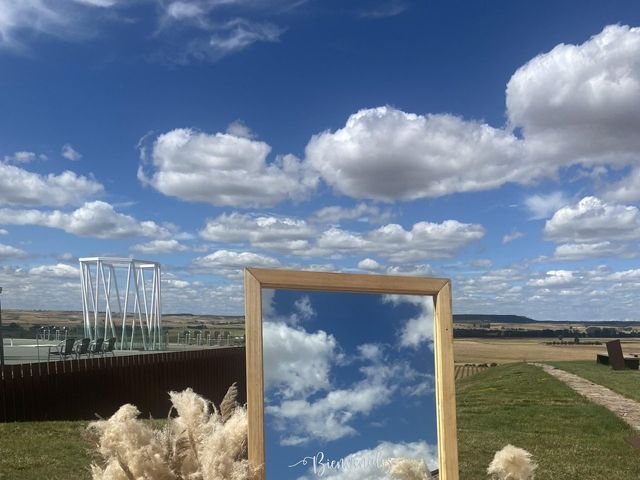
301	238
21	187
593	220
261	231
10	252
554	278
159	247
578	103
365	464
296	362
418	329
387	154
392	241
94	219
581	251
369	264
574	105
223	169
231	264
59	270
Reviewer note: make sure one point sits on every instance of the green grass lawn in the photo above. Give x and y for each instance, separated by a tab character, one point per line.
46	450
569	437
43	450
625	382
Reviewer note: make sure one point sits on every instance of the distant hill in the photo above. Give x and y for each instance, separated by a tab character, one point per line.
520	319
475	318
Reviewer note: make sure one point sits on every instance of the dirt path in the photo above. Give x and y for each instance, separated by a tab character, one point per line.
627	409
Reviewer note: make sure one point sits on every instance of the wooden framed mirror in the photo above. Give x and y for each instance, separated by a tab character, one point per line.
348	373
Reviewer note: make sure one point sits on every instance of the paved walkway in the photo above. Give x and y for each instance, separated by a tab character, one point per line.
627	409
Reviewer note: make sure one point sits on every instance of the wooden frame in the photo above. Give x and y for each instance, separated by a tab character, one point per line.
256	279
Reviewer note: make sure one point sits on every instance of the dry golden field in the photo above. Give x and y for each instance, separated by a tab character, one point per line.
474	350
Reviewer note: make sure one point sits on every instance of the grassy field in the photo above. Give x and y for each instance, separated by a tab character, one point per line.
625	382
43	450
570	437
527	350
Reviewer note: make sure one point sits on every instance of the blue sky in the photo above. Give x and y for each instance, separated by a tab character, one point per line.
495	143
347	376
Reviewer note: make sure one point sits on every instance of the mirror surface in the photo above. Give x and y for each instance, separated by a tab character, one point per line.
349	383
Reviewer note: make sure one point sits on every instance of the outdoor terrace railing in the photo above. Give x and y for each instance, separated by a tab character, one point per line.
81	389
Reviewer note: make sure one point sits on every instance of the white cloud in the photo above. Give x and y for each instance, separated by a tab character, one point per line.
70	153
239	129
369	264
414	269
626	190
232	37
482	263
419	329
328	418
223	169
510	237
578	103
581	251
3	231
554	278
296	362
365	463
592	220
361	212
94	219
7	251
596	294
633	274
231	264
424	240
297	237
181	10
24	157
575	105
159	247
542	206
59	270
384	9
21	187
387	154
34	15
263	231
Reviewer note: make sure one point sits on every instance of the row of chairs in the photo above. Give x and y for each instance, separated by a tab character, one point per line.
72	347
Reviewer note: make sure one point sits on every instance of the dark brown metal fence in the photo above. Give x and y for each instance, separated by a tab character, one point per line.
82	389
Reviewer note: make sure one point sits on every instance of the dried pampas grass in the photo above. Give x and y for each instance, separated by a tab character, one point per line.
200	443
402	468
512	463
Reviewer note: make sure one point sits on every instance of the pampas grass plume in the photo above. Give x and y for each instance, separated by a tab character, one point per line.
407	469
200	443
512	463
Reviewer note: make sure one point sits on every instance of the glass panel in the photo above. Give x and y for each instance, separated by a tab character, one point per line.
349	384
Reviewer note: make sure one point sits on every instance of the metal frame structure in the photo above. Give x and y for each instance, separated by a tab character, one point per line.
100	273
